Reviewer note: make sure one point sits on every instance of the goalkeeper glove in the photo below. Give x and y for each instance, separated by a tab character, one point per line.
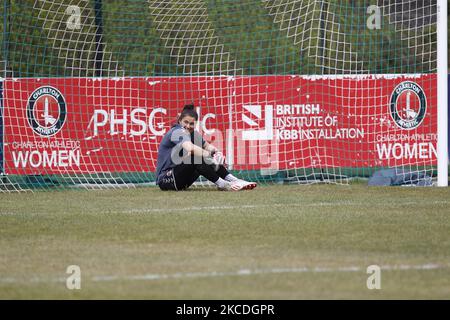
219	158
216	159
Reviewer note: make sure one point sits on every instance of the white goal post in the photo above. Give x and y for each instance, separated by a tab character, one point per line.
442	143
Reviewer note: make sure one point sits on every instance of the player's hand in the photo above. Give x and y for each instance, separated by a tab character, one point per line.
219	158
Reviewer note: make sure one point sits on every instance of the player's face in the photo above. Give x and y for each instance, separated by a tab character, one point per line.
188	123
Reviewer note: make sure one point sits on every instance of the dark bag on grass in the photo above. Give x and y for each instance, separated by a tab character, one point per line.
398	177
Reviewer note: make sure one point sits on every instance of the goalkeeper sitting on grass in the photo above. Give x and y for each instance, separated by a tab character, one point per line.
183	156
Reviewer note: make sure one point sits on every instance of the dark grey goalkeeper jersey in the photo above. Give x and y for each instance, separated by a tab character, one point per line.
171	144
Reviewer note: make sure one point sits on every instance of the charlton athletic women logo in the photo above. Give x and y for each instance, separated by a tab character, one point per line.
408	105
46	111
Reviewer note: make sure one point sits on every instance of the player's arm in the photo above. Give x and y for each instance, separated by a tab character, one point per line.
209	147
195	150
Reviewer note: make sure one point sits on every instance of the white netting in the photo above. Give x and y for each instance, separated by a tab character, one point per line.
74	39
297	91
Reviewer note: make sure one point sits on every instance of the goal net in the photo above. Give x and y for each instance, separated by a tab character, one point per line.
292	91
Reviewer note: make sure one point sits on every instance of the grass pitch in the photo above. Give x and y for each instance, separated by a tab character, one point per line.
275	242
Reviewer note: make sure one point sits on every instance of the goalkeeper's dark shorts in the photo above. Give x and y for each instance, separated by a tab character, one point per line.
183	176
178	178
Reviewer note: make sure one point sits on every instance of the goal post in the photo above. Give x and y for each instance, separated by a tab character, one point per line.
442	143
292	91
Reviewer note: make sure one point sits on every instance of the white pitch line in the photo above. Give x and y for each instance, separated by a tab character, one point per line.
238	273
283	205
249	272
149	210
256	206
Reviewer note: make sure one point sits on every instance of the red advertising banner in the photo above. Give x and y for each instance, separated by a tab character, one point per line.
88	125
338	121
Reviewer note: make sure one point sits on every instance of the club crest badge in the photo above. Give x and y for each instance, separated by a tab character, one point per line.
46	111
408	105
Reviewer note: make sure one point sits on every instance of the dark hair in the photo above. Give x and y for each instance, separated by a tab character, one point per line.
188	110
